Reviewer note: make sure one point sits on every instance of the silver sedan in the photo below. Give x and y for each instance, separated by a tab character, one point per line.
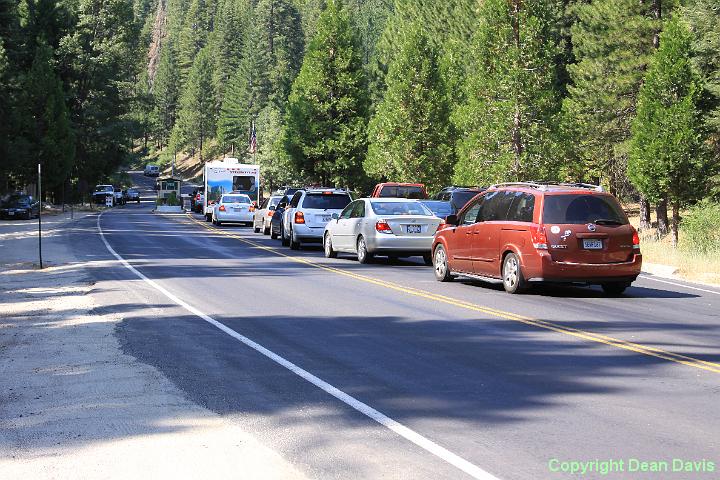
263	215
395	227
233	208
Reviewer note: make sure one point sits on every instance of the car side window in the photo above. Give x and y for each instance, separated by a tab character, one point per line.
522	208
496	206
358	210
347	211
471	214
295	200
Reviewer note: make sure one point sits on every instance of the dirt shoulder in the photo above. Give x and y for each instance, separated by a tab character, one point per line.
72	405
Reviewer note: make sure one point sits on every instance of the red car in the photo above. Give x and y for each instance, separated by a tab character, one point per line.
531	232
400	190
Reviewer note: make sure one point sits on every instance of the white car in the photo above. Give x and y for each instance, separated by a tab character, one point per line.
396	227
232	208
263	215
307	214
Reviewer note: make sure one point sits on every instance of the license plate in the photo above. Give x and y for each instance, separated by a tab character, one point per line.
592	244
11	213
325	218
414	229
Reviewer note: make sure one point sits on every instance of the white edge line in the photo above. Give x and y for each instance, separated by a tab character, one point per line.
405	432
679	284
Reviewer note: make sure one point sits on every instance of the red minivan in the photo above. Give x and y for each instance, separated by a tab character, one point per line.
399	190
532	232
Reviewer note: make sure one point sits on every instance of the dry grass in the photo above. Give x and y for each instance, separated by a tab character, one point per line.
692	266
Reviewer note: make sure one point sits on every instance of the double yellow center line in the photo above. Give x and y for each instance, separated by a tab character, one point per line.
593	337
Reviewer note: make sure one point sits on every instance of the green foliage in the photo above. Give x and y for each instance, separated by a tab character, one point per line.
165	94
197	117
326	134
505	128
612	42
666	159
701	228
410	134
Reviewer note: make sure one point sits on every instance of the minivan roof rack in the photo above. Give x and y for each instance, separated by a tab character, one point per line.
547	185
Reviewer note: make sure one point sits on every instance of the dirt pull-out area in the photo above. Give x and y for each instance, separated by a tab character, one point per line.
72	405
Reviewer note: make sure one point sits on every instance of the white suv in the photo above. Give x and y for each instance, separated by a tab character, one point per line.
307	214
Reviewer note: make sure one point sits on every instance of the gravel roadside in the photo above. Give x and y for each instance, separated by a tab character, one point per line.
72	405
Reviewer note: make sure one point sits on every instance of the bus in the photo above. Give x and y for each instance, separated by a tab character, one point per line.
229	175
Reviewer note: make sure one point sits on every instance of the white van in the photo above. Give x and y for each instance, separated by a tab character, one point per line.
152	171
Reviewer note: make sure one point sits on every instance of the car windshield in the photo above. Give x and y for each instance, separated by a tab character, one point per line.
132	190
236	199
392	191
103	188
326	201
400	208
439	208
581	209
274	201
17	200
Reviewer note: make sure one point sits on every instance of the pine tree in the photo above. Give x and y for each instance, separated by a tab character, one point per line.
410	134
326	130
165	94
49	129
228	39
612	43
704	19
666	159
197	117
506	125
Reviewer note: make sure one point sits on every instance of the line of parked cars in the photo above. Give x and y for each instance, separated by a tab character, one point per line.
517	233
104	194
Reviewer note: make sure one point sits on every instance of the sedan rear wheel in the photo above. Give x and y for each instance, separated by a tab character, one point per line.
294	244
284	239
327	242
512	275
255	229
362	252
441	266
266	228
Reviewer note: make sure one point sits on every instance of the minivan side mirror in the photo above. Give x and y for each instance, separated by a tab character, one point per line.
452	220
335	216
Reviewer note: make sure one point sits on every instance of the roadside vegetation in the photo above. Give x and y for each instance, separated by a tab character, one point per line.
352	92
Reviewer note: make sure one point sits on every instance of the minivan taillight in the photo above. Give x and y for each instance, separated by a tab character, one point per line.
636	240
383	227
299	217
539	238
222	208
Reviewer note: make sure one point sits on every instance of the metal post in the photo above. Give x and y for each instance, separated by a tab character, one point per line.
40	214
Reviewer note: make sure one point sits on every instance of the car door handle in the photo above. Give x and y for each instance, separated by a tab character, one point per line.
476	233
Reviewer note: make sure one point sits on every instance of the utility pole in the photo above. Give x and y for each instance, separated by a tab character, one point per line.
40	214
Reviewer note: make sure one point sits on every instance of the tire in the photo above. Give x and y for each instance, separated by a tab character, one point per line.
284	240
255	229
273	235
208	217
327	244
512	276
294	244
28	215
266	229
363	255
441	265
614	289
428	259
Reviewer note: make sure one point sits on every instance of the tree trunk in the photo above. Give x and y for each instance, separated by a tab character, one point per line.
675	222
657	13
644	213
662	217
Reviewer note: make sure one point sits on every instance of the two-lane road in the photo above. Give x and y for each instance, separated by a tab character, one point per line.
380	371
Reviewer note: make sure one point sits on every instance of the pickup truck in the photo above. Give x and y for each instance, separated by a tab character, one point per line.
103	191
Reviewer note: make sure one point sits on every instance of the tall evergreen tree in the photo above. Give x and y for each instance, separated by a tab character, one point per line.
506	125
197	117
326	134
410	135
612	43
165	94
666	159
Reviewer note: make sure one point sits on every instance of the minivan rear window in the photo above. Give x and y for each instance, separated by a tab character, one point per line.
401	192
581	209
326	201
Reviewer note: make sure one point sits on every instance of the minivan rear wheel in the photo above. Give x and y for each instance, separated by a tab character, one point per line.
441	265
614	288
512	276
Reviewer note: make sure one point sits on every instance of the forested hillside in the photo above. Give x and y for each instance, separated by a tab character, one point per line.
623	92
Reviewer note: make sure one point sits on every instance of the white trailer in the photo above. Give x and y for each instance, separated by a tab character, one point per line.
229	175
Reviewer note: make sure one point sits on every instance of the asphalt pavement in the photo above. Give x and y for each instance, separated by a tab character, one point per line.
370	371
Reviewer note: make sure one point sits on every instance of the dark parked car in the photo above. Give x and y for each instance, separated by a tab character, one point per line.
131	195
19	206
458	196
276	223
